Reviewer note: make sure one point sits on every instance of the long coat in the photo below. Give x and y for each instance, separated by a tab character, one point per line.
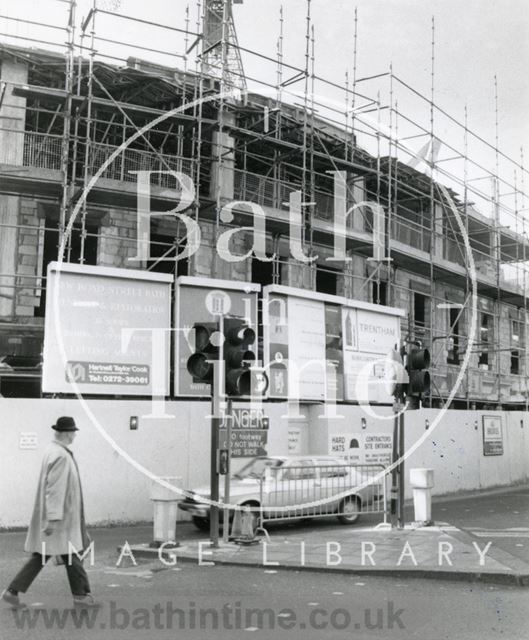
59	497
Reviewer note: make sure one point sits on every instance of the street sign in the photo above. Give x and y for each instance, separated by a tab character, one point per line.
248	434
248	443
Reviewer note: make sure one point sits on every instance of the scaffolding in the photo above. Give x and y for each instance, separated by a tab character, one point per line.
273	139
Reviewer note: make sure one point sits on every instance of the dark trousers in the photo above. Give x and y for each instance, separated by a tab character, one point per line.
77	577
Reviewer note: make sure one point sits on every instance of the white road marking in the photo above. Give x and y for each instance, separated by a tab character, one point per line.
501	533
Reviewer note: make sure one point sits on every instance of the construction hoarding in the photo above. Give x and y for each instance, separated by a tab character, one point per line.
104	330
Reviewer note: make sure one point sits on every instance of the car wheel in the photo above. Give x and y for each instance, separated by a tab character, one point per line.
350	510
201	523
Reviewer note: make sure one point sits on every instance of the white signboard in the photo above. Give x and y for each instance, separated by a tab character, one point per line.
346	444
377	332
306	353
327	348
362	448
378	448
368	338
99	331
492	436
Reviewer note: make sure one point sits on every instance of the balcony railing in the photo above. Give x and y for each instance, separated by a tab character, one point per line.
411	234
44	151
131	160
262	190
270	192
456	252
41	150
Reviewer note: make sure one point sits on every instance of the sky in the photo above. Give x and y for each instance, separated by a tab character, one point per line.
475	40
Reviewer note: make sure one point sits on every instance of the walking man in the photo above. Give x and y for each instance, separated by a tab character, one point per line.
57	525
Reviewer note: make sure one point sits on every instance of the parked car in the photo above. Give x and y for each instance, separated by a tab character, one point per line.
304	484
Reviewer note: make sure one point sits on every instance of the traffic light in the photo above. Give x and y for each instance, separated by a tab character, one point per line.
238	356
200	363
417	364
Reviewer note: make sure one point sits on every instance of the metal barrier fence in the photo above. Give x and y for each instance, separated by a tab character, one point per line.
308	490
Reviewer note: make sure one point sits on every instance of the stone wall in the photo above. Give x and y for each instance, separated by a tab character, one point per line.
11	153
9	207
207	262
12	113
117	242
28	247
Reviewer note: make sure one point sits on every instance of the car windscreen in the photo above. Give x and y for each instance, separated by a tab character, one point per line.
256	467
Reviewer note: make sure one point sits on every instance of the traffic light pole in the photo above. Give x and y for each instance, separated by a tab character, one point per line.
214	486
397	473
400	500
222	358
407	396
226	520
217	396
394	471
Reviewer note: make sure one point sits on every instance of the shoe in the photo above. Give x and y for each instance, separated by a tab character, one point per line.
12	599
87	601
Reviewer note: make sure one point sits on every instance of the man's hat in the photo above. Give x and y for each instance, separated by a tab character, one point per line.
65	423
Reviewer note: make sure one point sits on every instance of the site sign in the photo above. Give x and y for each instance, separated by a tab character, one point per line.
362	448
369	336
319	347
98	336
303	345
492	436
206	300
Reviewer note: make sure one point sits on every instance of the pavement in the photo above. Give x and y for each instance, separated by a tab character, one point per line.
473	539
438	551
470	540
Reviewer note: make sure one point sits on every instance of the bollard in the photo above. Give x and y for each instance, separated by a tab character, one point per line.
421	480
165	503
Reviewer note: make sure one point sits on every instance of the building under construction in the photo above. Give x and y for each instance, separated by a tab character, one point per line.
67	116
